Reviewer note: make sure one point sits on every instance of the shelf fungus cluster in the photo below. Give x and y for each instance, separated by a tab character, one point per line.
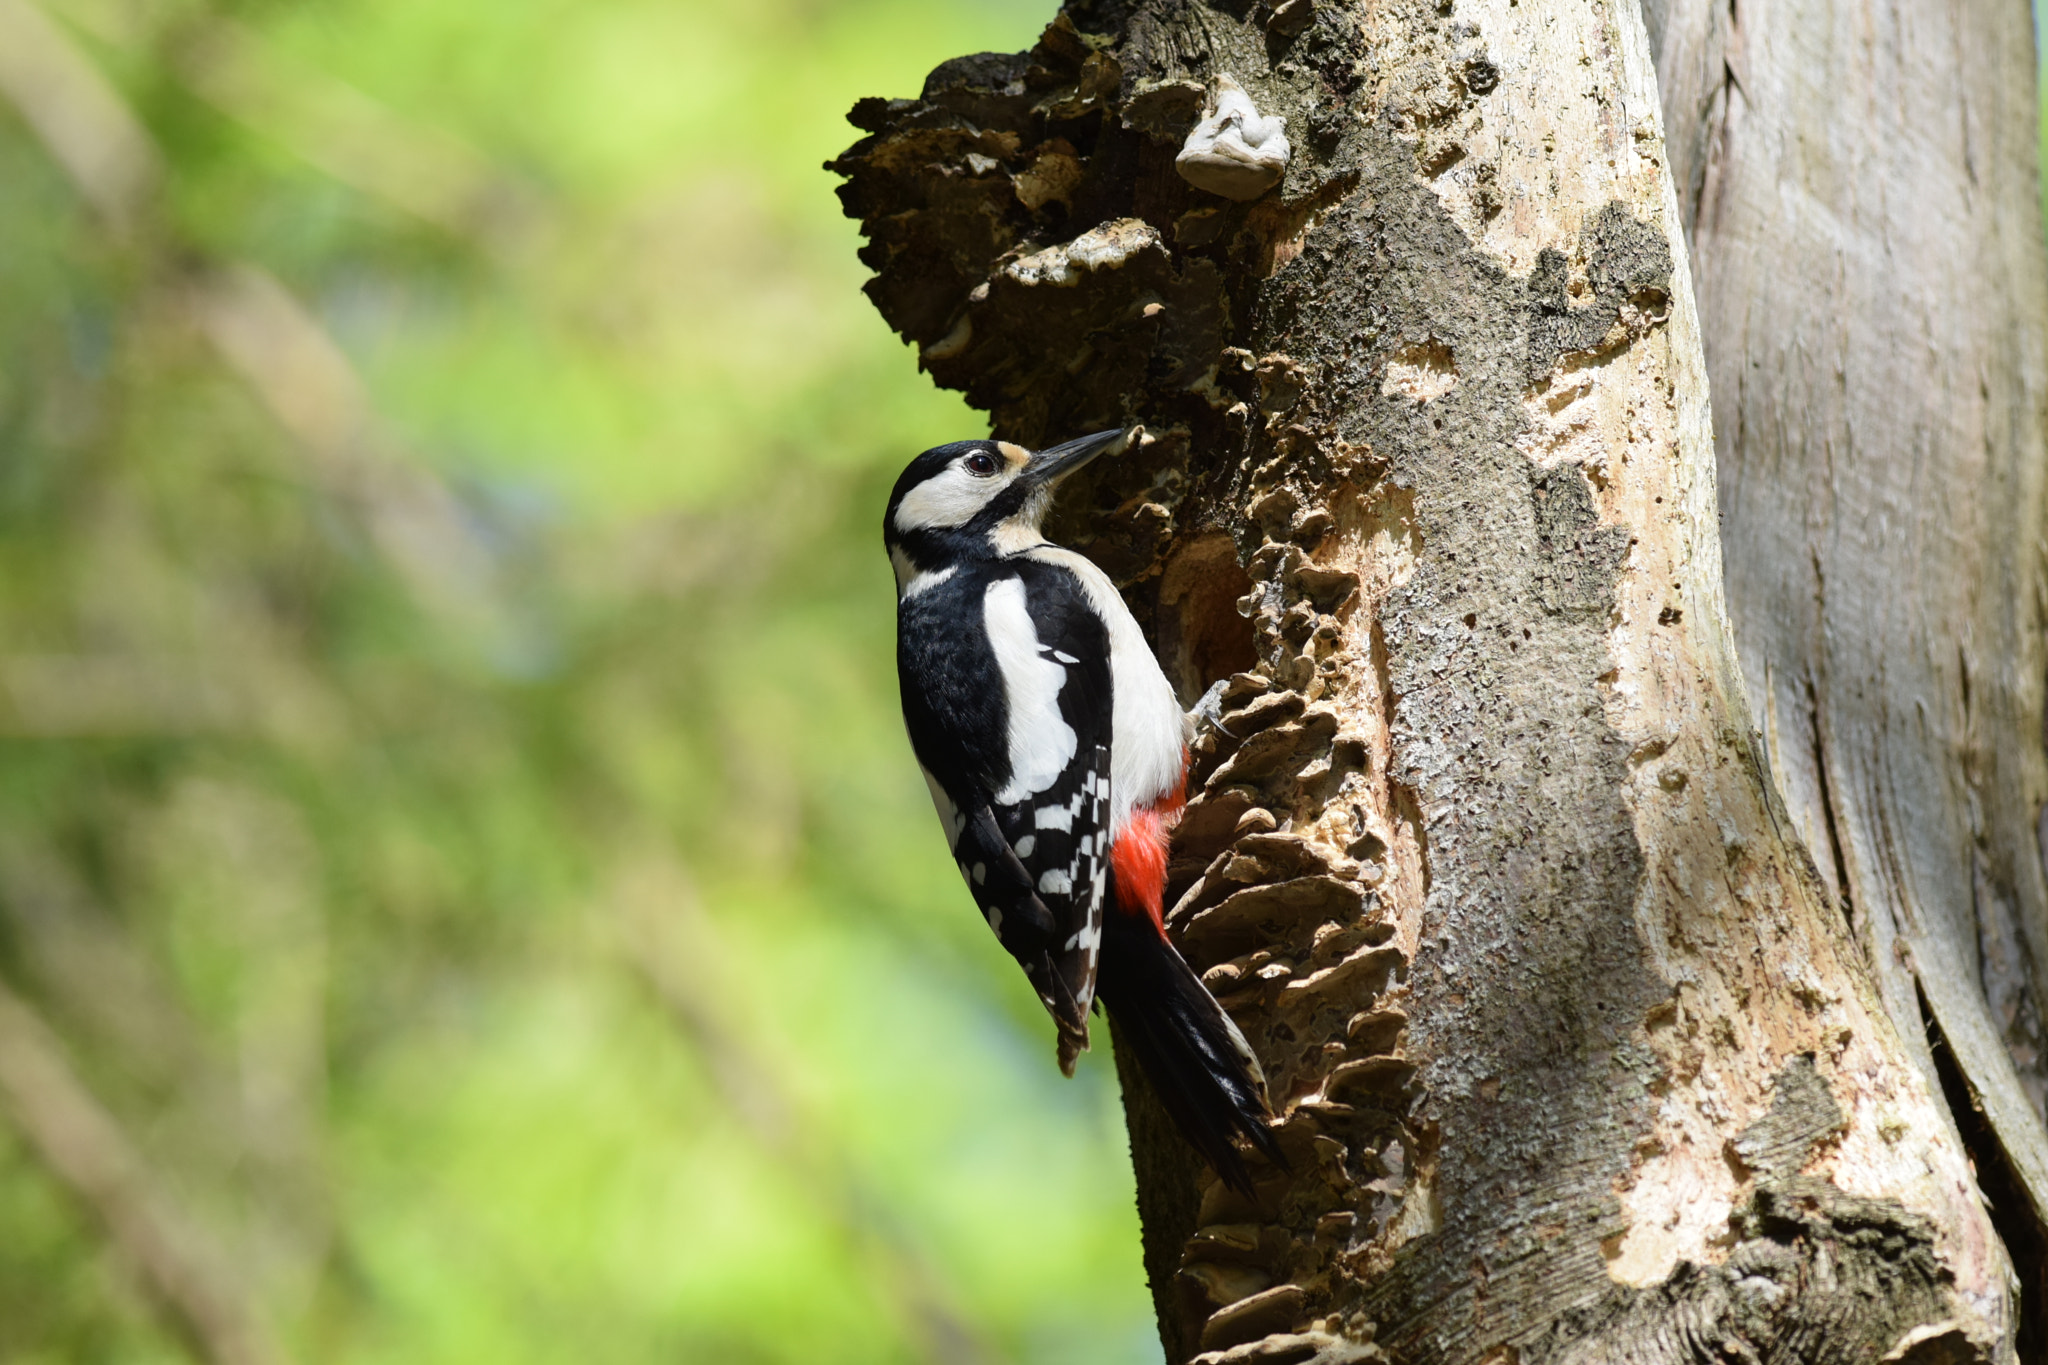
1104	171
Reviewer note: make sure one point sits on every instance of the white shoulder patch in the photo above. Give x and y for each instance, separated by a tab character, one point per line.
1148	744
1042	744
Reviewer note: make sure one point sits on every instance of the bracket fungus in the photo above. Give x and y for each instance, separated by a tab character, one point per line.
1102	248
1235	151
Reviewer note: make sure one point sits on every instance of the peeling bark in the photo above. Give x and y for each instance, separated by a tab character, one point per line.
1576	1059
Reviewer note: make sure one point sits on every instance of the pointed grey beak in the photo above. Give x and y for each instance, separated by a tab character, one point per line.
1056	462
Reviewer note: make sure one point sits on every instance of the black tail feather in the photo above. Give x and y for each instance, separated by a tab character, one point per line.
1194	1056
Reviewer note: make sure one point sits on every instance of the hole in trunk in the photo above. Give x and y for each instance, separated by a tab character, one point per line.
1201	636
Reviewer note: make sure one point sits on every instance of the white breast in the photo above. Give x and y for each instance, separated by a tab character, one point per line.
1042	744
1148	744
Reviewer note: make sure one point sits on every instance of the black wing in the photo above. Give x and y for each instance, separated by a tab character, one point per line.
1032	846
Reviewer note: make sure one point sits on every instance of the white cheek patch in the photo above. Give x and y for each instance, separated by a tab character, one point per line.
950	497
1042	744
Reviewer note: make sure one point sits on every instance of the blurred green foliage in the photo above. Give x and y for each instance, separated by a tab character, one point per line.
454	822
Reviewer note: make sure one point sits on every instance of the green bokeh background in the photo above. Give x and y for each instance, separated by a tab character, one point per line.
454	820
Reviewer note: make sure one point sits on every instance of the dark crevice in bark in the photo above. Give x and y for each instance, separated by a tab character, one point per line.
1827	808
2004	964
2005	1197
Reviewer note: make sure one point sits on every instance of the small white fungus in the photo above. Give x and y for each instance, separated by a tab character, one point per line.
1235	151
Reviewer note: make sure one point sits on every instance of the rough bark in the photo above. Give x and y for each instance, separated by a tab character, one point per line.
1860	187
1576	1059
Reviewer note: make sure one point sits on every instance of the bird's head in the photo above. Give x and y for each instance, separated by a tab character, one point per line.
976	499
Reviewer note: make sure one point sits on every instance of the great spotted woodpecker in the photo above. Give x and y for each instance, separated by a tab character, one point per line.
1056	753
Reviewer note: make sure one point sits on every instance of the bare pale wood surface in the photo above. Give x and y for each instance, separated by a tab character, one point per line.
1859	184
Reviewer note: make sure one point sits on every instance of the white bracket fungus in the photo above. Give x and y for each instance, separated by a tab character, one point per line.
1103	248
1235	151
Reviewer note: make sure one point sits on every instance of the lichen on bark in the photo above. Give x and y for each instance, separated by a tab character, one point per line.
1480	851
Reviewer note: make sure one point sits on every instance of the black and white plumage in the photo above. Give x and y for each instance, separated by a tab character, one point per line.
1055	752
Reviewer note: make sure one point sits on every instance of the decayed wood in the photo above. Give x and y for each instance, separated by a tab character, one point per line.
1859	182
1576	1060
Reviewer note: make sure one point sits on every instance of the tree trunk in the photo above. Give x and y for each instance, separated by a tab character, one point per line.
1576	1057
1861	193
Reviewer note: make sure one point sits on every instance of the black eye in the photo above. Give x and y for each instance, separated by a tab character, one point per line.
981	464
